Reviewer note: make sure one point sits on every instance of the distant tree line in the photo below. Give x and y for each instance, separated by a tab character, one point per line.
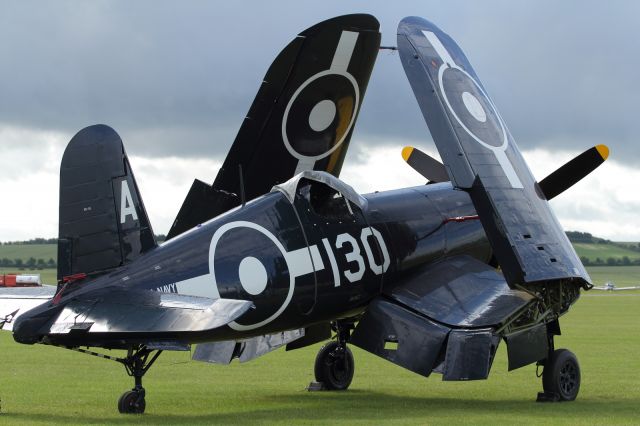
159	237
31	263
610	261
585	237
32	241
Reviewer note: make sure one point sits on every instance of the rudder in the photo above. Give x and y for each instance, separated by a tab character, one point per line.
102	220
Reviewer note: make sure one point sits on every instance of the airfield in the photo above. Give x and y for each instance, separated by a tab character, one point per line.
52	385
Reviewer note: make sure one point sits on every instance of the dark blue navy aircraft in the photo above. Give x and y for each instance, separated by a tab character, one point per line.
279	252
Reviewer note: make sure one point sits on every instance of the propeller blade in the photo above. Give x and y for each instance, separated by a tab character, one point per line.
426	165
573	171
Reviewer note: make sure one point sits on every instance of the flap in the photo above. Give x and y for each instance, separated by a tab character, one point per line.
245	350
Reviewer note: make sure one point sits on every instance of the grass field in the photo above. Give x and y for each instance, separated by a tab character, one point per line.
604	251
25	251
619	275
51	385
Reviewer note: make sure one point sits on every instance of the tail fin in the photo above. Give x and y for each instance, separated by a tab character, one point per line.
481	157
301	119
103	223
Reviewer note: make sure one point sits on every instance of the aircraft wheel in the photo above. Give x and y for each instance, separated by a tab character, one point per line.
561	375
334	366
131	403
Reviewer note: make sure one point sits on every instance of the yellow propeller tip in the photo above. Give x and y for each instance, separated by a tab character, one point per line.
406	152
603	150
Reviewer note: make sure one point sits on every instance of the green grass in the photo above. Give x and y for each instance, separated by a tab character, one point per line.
619	275
25	251
51	385
604	251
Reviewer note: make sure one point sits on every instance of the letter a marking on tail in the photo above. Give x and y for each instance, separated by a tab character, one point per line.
127	207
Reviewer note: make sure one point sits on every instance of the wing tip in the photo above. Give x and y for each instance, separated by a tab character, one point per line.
406	152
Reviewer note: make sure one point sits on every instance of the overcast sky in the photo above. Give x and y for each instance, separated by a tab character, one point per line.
176	79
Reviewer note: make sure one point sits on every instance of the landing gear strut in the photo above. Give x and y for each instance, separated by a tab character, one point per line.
137	363
334	366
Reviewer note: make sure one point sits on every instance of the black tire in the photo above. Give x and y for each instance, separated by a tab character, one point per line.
561	375
129	404
334	366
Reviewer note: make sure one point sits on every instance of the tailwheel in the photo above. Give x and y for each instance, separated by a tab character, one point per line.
334	366
132	402
561	377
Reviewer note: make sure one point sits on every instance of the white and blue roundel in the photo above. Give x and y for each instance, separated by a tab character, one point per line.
472	108
321	112
246	253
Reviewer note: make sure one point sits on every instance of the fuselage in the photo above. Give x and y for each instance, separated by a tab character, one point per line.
315	259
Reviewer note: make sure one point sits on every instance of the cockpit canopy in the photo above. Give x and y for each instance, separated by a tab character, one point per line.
327	190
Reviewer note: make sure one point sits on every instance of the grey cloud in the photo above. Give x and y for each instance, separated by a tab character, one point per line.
177	78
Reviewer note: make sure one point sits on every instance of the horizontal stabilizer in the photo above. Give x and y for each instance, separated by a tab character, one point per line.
122	312
424	164
482	158
573	171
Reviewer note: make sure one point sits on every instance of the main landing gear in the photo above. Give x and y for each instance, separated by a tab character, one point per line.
137	363
560	377
334	366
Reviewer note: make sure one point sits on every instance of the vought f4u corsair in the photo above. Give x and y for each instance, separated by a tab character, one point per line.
279	252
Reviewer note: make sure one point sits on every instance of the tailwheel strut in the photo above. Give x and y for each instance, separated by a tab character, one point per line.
137	363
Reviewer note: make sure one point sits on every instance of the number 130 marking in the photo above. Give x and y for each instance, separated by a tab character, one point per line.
355	255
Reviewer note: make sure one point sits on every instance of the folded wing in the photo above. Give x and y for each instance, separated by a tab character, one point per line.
301	119
481	157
